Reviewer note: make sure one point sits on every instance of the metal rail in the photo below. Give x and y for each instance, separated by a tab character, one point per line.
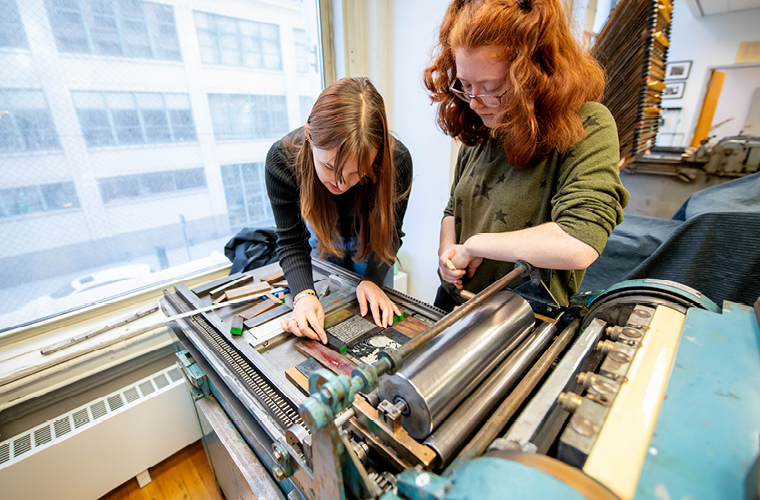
280	408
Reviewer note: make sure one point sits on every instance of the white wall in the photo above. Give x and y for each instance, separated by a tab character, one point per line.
710	41
735	98
414	34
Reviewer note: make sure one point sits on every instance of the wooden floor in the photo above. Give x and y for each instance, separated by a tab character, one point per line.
184	475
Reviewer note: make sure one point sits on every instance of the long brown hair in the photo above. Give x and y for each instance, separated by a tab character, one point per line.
550	75
349	115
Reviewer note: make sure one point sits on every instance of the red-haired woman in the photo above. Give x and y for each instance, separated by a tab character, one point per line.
537	177
345	176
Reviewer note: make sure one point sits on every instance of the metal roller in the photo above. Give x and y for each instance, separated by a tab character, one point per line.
439	375
460	425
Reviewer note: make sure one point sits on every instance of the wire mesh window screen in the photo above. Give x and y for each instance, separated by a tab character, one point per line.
133	136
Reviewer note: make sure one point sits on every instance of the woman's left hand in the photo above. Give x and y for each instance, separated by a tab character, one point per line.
368	293
463	259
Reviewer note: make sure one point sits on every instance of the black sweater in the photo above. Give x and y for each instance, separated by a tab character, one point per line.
293	236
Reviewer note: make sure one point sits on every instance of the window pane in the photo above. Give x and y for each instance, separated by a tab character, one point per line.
190	179
25	121
11	30
160	182
60	196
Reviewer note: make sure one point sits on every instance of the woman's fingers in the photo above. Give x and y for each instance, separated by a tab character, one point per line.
317	326
375	311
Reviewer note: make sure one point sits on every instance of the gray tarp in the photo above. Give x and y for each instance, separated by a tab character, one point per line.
712	244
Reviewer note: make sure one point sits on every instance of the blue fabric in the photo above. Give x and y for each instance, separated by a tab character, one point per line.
350	247
712	244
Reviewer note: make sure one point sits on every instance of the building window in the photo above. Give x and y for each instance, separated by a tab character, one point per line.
11	30
152	184
118	118
128	28
236	42
246	195
39	198
239	116
302	50
25	122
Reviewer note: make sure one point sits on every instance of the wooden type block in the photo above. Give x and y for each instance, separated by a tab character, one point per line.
247	290
365	351
272	297
259	308
219	291
283	284
410	326
298	379
337	317
326	357
274	277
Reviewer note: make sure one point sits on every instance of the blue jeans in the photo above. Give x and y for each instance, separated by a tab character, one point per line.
350	247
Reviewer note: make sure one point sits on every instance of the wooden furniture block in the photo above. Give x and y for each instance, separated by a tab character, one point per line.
259	308
326	357
218	292
274	277
298	379
247	290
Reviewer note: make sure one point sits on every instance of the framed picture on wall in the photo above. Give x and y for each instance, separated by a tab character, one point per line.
674	90
677	70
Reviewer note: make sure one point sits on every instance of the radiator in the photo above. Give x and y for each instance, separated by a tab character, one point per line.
92	449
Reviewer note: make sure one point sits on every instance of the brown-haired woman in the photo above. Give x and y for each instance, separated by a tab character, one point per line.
537	177
345	176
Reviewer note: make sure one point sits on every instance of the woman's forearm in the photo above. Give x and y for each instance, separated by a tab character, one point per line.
448	233
547	246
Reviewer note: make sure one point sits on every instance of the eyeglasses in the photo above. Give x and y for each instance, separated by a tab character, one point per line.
488	100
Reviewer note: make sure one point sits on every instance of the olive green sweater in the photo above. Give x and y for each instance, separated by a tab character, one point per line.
578	189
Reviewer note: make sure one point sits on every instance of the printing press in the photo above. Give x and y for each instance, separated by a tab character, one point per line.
645	390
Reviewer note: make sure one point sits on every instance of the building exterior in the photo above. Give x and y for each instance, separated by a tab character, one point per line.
128	128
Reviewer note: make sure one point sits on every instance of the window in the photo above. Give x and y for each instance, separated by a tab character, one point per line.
152	184
11	30
246	195
305	104
110	150
240	116
302	50
236	42
39	198
25	122
128	28
117	118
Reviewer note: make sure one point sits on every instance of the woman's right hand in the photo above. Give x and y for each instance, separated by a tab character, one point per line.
307	320
444	258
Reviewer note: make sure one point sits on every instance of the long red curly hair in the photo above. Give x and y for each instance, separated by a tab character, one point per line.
550	75
349	115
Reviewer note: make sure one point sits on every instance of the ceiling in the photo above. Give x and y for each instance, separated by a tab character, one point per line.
702	8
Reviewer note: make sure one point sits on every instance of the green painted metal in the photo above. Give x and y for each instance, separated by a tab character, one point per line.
199	384
496	478
643	285
706	442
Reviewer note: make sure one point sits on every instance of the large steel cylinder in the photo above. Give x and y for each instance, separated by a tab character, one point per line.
471	414
439	375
